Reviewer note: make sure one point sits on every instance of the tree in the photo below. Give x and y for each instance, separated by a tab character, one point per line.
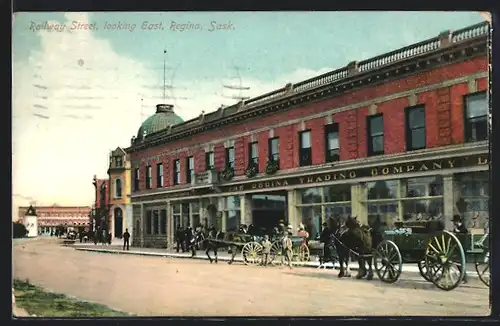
18	230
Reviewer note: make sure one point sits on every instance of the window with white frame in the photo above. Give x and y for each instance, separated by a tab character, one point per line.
137	179
159	175
476	117
230	157
118	188
274	149
305	150
149	177
209	161
177	172
332	153
189	169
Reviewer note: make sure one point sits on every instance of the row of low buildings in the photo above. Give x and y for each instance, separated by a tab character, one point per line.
50	217
402	136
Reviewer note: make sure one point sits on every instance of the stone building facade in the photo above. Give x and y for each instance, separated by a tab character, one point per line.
402	136
119	191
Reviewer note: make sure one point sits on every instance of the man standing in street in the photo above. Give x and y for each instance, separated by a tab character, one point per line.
126	237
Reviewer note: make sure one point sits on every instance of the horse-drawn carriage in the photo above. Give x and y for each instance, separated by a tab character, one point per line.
246	244
439	254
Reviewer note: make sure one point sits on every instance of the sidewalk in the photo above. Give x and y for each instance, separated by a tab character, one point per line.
224	256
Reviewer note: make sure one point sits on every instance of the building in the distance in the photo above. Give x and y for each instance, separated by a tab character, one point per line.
120	210
50	217
401	136
100	208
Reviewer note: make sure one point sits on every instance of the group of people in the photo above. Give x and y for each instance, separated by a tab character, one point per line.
187	238
286	244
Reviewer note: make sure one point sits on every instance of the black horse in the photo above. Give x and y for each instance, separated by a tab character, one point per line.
336	238
219	240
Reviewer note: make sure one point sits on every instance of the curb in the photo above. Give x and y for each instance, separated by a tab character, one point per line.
408	269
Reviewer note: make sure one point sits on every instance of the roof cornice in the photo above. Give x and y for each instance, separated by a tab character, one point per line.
439	51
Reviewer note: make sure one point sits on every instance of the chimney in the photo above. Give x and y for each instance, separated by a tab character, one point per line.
444	39
352	68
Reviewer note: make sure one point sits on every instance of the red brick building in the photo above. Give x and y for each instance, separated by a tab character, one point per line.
49	217
100	209
402	136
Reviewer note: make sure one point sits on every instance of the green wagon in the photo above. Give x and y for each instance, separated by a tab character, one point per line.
439	254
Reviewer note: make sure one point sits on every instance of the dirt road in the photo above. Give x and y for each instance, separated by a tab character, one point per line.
151	286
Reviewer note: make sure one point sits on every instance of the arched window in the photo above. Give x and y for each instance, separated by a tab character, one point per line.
118	188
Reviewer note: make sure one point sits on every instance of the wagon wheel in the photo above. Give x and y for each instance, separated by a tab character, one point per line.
445	260
387	261
483	268
303	253
427	269
251	253
275	255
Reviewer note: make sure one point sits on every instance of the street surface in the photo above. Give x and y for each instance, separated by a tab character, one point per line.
154	286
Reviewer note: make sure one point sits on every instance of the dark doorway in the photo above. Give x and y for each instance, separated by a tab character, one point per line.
118	222
268	211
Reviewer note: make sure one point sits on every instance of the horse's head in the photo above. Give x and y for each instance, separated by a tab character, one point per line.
352	222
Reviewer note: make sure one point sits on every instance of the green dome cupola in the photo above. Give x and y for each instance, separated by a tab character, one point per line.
162	119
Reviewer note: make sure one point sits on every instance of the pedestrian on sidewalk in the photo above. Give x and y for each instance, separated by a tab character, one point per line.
266	250
126	237
179	239
109	238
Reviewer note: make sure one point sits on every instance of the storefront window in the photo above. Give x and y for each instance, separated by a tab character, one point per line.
334	210
156	222
422	198
382	189
338	193
233	213
232	202
311	218
471	197
176	212
233	220
382	203
310	195
185	214
195	215
337	201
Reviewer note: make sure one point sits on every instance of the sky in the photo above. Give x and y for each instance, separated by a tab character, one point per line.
79	92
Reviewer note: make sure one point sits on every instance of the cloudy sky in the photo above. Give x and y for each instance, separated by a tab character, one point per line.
77	94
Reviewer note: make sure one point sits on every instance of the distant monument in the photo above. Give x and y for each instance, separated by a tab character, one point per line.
30	221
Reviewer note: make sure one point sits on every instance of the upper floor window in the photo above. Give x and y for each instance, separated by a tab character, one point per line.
305	152
253	154
137	179
118	161
159	175
332	149
375	134
274	149
118	188
177	172
149	177
415	128
189	169
209	161
476	117
230	157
